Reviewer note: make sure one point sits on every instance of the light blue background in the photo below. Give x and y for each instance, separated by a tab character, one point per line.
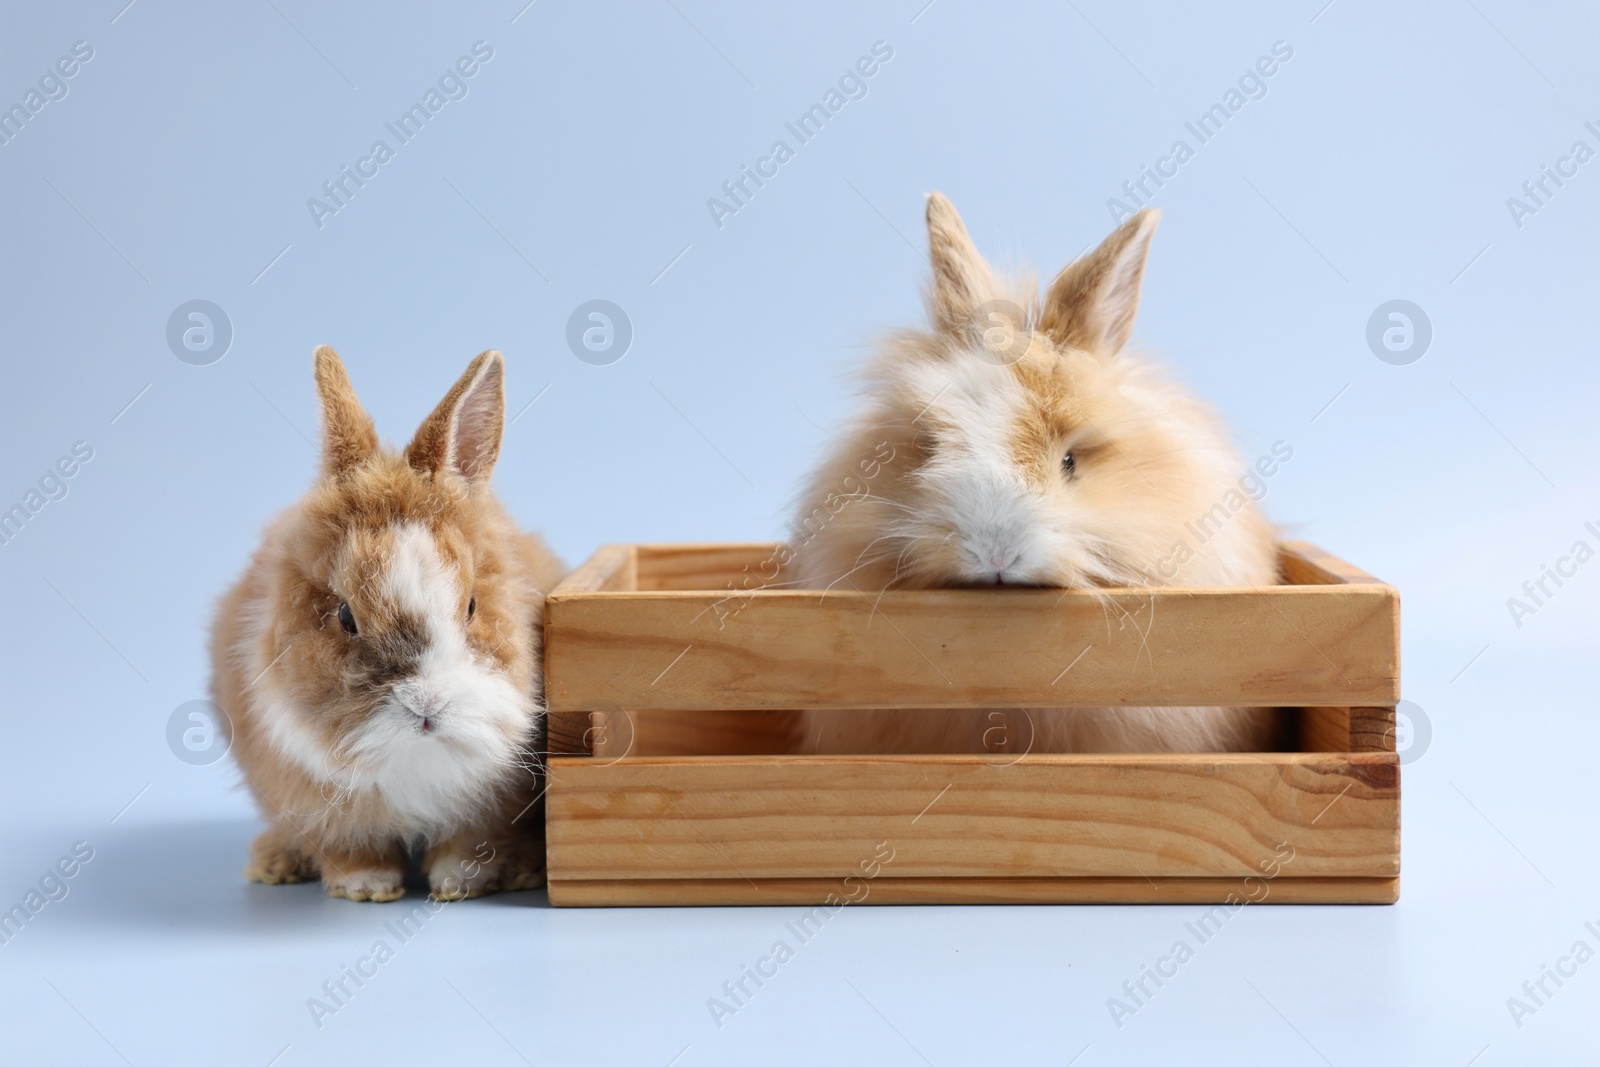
1377	167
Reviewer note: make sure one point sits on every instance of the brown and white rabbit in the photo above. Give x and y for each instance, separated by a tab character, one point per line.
1029	449
380	660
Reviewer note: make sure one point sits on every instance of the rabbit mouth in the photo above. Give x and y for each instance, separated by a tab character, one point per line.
1002	581
429	718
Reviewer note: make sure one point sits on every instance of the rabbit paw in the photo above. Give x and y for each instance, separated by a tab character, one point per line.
523	870
457	876
277	858
379	885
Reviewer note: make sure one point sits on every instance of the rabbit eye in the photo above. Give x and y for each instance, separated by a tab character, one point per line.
472	606
347	619
1069	465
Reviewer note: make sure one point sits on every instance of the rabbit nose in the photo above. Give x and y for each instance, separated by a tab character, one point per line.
995	561
421	701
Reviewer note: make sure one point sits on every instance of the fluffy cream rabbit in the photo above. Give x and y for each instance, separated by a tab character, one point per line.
1030	449
380	660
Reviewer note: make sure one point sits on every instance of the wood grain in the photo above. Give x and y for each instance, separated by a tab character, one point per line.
612	568
568	733
762	817
1347	730
1372	730
1278	646
707	567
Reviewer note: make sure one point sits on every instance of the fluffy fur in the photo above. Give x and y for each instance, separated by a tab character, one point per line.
419	731
979	413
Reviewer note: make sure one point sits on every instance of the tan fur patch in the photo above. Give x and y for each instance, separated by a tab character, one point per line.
1050	416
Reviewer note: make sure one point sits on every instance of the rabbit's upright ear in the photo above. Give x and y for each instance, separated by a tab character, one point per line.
961	278
463	433
348	436
1092	302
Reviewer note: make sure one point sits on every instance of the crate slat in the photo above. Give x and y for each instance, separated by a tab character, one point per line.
766	817
612	568
1279	646
702	566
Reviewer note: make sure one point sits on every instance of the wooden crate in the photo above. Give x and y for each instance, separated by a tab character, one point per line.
672	671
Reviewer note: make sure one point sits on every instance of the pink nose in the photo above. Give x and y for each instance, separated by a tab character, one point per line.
1001	560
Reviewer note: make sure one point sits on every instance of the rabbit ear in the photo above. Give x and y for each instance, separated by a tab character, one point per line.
1092	302
961	278
348	436
463	433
